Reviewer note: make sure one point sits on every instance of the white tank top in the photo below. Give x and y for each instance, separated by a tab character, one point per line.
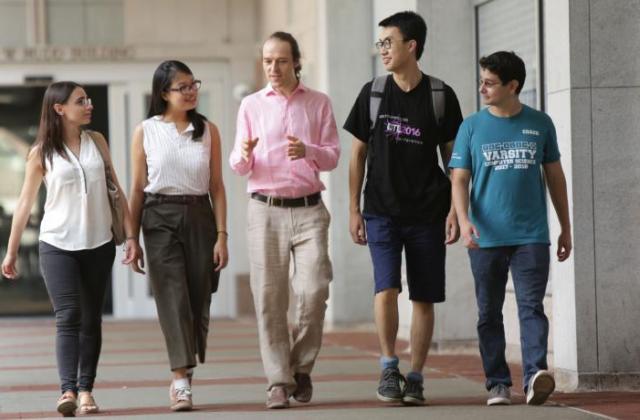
176	165
76	212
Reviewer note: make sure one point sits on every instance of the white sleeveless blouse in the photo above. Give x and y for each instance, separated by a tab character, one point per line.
76	211
176	165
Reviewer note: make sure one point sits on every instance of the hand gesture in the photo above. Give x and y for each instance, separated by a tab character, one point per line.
247	148
295	149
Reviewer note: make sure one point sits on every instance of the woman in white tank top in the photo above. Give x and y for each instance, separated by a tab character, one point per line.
76	243
177	176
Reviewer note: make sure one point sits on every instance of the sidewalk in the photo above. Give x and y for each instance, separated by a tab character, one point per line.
133	379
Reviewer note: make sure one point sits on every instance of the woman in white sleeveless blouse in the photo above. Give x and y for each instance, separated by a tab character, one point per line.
177	176
76	243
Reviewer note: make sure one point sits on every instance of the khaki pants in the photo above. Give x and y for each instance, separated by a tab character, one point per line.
276	235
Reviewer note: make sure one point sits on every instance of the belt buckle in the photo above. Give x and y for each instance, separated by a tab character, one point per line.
269	200
306	201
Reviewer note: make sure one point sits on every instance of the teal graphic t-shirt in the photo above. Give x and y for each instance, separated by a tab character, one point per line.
504	155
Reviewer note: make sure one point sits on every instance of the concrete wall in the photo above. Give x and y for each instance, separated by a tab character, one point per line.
593	89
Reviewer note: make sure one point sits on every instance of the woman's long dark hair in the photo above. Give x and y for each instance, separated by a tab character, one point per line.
50	132
162	79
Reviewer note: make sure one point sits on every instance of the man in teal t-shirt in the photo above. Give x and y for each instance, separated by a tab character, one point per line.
504	150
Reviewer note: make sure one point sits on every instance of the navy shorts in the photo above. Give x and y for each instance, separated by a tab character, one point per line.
425	253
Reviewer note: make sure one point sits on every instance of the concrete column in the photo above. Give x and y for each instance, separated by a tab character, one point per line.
345	65
593	73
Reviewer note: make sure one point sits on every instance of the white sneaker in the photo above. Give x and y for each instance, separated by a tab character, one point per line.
541	385
181	398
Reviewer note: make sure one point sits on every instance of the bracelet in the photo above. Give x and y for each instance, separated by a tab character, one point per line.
131	238
223	231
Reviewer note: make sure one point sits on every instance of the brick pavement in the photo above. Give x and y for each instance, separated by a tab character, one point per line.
133	378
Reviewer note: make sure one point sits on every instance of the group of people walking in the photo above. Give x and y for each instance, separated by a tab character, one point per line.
286	135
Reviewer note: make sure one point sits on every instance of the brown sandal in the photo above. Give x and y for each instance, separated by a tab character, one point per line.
87	403
67	404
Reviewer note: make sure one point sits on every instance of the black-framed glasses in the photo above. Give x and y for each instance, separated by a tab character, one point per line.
184	89
385	44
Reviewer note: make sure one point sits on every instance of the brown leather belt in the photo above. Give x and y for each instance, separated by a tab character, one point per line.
308	201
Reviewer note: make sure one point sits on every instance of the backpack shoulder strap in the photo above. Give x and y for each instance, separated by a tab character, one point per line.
377	92
437	99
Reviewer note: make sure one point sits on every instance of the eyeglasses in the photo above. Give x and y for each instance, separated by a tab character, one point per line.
193	87
84	101
385	44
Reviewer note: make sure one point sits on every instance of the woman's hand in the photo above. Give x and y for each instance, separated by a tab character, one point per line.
220	252
134	256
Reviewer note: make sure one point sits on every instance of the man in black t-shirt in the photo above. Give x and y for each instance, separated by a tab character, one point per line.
407	195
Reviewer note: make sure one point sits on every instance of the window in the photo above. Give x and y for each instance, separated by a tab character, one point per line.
513	25
85	22
13	23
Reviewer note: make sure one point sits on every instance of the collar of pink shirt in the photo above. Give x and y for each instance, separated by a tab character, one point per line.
270	91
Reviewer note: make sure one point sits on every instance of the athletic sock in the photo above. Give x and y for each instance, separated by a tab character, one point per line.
389	362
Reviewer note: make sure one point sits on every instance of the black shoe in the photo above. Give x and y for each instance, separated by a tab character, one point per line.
391	384
413	393
304	389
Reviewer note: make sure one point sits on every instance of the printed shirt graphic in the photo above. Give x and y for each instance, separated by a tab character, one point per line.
404	180
504	155
400	130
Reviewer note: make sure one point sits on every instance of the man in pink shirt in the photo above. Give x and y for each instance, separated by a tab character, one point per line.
286	135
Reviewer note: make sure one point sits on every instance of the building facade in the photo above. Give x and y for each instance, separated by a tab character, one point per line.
582	68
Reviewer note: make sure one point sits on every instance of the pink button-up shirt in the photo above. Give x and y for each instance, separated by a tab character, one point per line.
271	117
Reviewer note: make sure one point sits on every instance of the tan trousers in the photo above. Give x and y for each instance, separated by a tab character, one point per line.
276	235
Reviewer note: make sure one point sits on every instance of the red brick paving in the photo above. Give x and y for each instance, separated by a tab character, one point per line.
622	405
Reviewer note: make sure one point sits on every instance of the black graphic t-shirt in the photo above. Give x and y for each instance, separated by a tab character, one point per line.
404	180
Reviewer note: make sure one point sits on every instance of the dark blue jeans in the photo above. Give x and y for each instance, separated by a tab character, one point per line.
529	266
